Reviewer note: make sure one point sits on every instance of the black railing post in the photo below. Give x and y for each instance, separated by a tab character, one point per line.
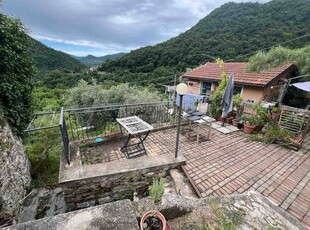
64	134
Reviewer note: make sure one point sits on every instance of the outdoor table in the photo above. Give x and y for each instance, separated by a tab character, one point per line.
200	120
135	127
197	113
208	120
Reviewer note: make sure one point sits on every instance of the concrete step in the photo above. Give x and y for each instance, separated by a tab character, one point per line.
181	184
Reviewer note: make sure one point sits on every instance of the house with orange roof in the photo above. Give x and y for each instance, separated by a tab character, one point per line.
251	85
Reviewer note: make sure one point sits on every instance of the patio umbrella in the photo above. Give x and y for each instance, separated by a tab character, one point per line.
303	85
227	101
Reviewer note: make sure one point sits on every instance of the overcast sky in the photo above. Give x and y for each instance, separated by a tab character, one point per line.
101	27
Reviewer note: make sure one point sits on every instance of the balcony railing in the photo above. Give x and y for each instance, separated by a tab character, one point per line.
99	123
95	122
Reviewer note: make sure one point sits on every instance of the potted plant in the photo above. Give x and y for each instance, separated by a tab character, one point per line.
229	119
249	123
274	113
235	122
238	106
261	117
153	220
216	98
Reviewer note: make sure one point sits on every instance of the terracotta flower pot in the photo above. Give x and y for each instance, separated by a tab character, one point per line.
156	214
229	120
274	116
258	128
269	116
235	122
219	118
248	128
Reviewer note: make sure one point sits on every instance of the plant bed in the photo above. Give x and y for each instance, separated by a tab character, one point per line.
113	136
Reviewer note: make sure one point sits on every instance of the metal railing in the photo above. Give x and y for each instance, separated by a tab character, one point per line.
94	122
64	134
90	123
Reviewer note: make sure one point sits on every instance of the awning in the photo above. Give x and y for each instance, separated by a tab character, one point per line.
303	85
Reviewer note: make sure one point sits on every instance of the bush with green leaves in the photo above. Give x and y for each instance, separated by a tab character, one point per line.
157	189
16	71
278	56
216	98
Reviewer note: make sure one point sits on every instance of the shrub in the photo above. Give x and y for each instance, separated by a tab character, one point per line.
157	189
16	72
217	96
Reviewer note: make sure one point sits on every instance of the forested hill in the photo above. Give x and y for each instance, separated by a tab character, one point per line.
46	58
91	60
230	31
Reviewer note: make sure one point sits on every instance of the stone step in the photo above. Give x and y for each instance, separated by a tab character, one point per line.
181	184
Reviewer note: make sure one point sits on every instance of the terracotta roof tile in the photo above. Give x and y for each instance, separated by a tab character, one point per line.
212	72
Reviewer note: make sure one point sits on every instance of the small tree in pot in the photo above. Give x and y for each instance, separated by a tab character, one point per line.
154	220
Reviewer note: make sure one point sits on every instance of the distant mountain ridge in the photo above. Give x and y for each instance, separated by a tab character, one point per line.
91	60
231	32
47	59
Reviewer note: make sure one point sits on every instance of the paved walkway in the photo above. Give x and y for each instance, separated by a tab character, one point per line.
229	164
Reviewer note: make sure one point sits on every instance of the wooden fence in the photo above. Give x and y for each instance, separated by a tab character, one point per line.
295	120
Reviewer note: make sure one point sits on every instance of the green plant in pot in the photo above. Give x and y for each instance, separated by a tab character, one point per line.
154	220
274	112
250	122
261	116
216	98
238	106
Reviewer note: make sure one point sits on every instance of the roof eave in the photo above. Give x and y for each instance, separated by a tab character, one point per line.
217	80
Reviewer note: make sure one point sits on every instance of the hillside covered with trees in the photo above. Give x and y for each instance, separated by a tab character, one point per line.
232	32
91	60
46	59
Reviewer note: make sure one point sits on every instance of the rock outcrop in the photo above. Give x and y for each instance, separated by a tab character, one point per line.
14	171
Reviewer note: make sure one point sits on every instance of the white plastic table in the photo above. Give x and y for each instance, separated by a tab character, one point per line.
134	126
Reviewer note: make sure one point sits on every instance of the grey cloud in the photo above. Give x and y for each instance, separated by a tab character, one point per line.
119	23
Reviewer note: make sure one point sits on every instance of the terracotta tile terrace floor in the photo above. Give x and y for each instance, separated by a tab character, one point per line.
230	164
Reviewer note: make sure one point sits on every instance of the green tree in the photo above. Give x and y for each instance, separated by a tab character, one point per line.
16	71
85	94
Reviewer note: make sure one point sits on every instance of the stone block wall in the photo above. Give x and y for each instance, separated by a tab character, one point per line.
100	190
14	171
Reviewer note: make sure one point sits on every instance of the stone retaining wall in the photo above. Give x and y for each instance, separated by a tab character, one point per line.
100	190
14	171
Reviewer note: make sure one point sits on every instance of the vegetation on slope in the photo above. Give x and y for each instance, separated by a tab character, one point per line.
16	71
46	59
279	56
229	32
91	60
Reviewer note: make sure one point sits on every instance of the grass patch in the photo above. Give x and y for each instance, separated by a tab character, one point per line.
224	218
43	150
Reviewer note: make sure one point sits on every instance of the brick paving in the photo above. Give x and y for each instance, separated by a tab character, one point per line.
230	164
